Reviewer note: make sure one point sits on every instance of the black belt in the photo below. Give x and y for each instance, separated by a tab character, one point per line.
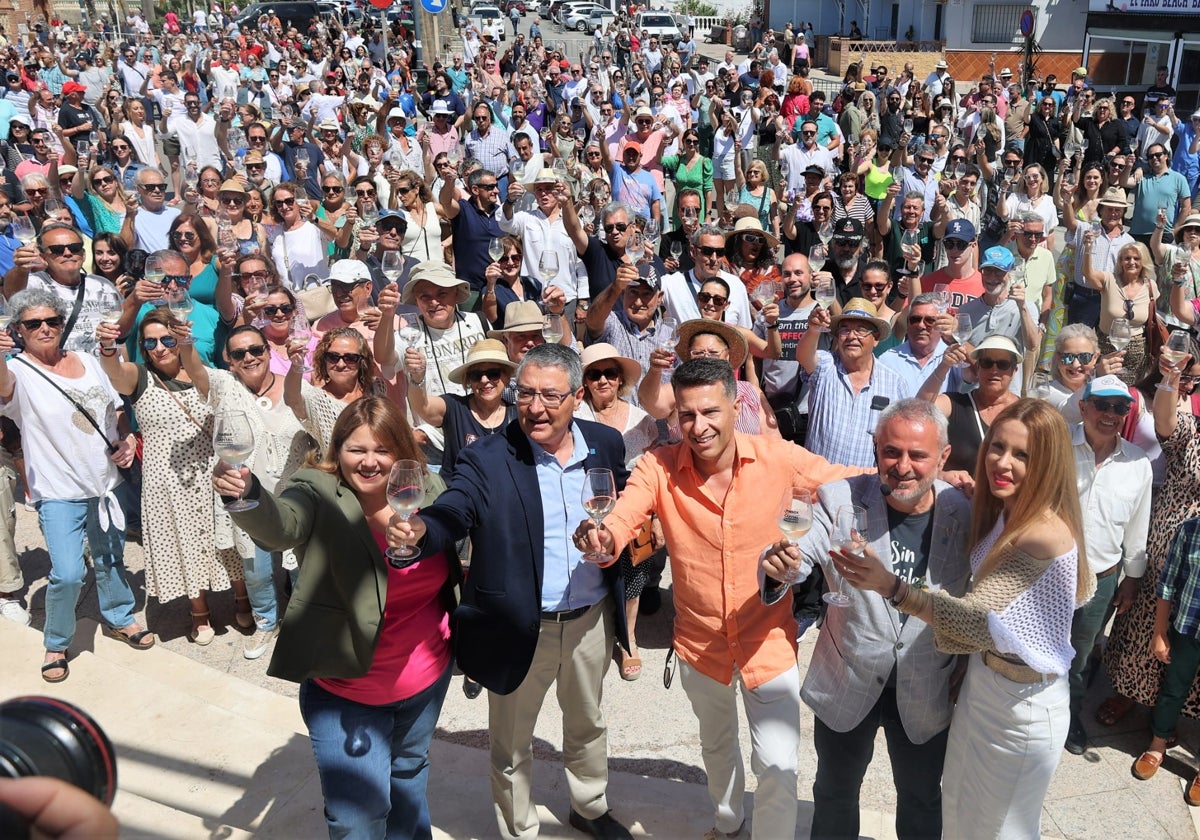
1086	291
564	615
1111	570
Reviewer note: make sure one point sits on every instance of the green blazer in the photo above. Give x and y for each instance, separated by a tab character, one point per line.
336	611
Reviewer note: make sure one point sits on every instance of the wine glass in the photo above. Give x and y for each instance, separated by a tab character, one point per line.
82	148
666	333
552	328
795	519
962	330
587	214
676	250
765	292
907	125
392	265
635	246
180	304
1120	333
303	161
153	269
23	229
410	334
817	256
960	171
653	232
1042	385
5	314
941	293
599	497
405	492
496	249
849	535
732	200
825	234
52	207
298	342
233	441
825	294
548	266
910	244
1177	348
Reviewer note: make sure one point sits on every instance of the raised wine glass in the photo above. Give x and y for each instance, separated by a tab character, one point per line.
849	535
666	333
392	265
599	497
941	293
635	246
1120	333
496	249
962	330
23	229
405	492
765	292
676	250
180	304
233	441
552	328
548	266
825	295
1175	351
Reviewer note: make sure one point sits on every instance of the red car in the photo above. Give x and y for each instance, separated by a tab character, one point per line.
509	5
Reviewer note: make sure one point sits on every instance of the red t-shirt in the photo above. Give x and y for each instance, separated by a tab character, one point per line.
961	291
414	643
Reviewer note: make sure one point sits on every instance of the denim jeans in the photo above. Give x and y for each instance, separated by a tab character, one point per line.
65	524
373	760
260	586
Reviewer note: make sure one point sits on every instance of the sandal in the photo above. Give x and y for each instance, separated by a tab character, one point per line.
59	664
1112	710
631	666
244	618
141	640
202	634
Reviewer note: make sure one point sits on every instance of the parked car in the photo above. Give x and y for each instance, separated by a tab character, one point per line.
543	9
570	6
297	14
519	5
576	17
600	19
487	16
659	24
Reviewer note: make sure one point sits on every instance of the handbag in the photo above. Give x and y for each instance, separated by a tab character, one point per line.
317	299
642	546
1156	331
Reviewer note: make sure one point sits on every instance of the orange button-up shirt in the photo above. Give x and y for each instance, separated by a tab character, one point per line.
715	544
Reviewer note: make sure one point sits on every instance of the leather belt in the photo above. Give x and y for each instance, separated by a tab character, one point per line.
564	615
1109	572
1017	671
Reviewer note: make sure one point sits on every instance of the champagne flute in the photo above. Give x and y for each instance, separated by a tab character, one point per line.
23	229
180	304
849	535
233	441
405	492
392	265
496	249
548	265
1120	333
552	328
599	498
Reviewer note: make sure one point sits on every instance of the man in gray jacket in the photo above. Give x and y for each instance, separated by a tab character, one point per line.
872	667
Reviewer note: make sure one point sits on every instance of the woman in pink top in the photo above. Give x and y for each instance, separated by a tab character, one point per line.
367	638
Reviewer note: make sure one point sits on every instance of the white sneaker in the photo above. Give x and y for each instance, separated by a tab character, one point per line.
257	644
11	609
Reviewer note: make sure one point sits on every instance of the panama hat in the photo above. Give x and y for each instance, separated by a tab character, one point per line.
738	349
484	350
861	309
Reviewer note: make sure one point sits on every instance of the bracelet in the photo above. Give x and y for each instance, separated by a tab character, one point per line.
774	326
489	291
416	383
108	352
895	590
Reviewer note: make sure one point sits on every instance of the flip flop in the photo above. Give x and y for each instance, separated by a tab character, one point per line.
141	640
1112	710
54	665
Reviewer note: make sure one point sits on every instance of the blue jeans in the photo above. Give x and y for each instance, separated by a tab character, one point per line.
65	524
260	586
373	760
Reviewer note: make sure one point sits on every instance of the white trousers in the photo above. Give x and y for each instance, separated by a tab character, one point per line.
773	711
1006	740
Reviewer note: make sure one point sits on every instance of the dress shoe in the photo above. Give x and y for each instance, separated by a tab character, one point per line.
1192	795
603	827
1146	765
1077	738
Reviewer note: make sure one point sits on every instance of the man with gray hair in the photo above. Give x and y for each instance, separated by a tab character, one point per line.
896	679
535	609
602	257
680	288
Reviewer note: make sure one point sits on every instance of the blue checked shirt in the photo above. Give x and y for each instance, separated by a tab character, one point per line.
838	418
1179	582
491	149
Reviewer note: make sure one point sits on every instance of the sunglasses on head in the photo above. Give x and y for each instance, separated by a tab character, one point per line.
478	374
1118	406
168	342
255	350
351	359
54	322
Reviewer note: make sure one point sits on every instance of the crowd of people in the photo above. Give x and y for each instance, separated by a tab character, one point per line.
379	361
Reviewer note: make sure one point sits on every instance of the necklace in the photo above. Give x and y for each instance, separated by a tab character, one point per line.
265	402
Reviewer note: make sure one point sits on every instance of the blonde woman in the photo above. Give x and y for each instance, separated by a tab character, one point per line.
423	237
100	195
754	189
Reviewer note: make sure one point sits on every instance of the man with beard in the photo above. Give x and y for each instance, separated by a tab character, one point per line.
897	679
783	379
473	222
847	258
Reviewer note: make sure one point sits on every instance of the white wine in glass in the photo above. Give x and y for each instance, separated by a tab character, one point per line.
666	333
112	307
496	249
599	498
180	304
850	536
23	229
233	441
392	265
796	519
552	328
548	266
405	492
1120	333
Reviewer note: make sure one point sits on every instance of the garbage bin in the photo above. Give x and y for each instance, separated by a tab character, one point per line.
741	39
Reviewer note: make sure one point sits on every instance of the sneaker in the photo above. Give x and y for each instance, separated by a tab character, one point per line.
257	644
11	609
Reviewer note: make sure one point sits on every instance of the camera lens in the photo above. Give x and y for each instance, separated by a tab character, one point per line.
44	736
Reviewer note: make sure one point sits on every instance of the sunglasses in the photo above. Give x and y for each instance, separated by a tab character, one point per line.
351	359
360	194
233	199
37	190
1150	156
709	251
619	227
273	310
596	374
955	245
873	287
255	350
334	190
184	236
181	280
54	322
477	375
102	180
716	300
999	364
1033	234
922	321
399	191
1081	358
75	248
284	202
159	187
168	342
752	238
1118	407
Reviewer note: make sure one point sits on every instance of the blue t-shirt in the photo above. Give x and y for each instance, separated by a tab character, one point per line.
206	324
637	189
1154	191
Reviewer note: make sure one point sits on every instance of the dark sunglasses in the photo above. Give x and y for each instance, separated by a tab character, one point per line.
918	320
101	180
255	350
168	341
351	359
619	227
873	287
233	199
54	322
284	202
955	244
273	310
181	280
477	375
334	189
159	187
184	236
1001	364
37	190
1118	406
1072	358
709	251
362	194
510	258
715	300
75	248
595	374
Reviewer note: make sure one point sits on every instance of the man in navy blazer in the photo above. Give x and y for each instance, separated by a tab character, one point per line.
534	610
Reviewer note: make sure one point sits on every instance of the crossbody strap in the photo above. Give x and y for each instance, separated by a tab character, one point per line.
76	307
178	401
112	447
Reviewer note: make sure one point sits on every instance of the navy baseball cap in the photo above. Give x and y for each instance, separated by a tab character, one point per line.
960	229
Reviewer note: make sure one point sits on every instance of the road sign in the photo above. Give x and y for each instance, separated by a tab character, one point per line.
433	6
1027	23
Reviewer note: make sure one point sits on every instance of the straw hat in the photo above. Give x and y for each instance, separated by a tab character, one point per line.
1191	220
484	350
519	316
233	185
751	224
738	349
631	371
861	309
437	273
1114	197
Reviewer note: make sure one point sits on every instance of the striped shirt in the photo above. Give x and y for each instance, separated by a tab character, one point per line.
839	418
1179	582
491	149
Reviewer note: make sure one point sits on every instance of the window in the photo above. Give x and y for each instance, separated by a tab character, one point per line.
997	24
